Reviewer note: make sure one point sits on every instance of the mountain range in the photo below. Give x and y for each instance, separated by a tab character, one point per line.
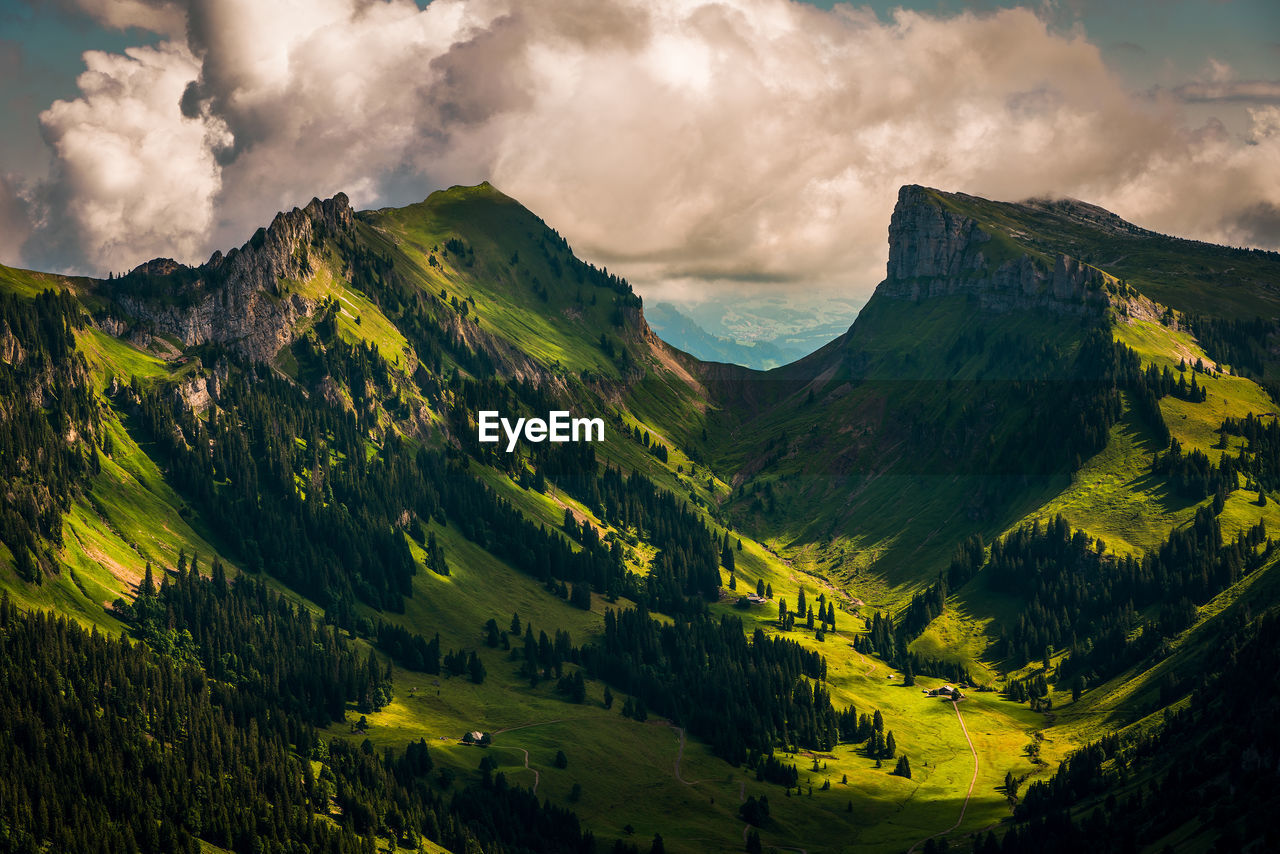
993	569
683	332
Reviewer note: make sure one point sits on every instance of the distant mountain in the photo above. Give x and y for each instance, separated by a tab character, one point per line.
797	322
682	332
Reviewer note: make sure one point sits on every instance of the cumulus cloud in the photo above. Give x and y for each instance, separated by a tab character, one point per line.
132	175
682	142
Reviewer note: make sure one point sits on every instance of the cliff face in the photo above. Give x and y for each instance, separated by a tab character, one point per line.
235	299
936	251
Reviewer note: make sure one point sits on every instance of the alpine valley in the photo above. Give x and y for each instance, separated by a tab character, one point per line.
994	570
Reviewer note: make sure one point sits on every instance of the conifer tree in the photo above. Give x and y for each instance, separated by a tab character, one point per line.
726	555
903	768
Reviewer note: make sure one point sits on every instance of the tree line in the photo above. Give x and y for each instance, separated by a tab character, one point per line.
1086	601
50	427
1205	764
158	760
246	635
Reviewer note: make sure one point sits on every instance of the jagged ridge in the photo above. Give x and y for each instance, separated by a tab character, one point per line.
234	299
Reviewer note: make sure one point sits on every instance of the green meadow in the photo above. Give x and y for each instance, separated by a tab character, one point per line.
815	487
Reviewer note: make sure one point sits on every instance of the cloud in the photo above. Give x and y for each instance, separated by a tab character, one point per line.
1245	91
133	176
1266	124
685	143
1126	47
157	16
1218	83
1260	224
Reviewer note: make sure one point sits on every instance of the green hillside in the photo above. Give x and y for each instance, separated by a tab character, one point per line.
1046	482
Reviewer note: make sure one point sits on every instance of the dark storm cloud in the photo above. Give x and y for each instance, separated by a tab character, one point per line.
1260	224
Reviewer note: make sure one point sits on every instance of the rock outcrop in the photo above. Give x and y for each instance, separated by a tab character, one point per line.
936	251
234	299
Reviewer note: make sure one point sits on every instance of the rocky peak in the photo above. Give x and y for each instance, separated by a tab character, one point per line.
157	267
928	241
281	251
236	299
935	250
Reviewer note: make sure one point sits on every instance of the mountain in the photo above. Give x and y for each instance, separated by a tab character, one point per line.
1041	466
683	333
932	409
798	320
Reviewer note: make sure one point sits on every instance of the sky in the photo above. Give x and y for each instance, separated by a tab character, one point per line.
705	149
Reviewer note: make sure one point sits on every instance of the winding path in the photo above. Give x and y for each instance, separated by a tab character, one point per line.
536	776
742	788
534	770
871	665
972	781
680	755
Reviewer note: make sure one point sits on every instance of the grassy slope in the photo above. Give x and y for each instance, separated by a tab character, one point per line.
132	515
29	282
892	812
560	331
1115	496
519	278
876	514
627	769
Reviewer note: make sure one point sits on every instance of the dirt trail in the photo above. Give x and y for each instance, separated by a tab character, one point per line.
742	786
536	776
680	756
870	664
972	780
526	726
